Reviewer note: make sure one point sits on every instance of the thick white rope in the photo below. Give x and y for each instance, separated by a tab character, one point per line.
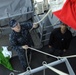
43	17
11	73
43	53
56	70
50	26
57	57
27	59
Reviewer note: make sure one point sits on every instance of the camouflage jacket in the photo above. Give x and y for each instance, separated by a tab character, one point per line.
18	39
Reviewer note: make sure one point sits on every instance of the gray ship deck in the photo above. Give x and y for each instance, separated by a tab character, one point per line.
38	58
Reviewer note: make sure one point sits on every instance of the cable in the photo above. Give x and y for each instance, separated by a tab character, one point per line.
42	20
57	57
50	26
44	53
27	59
12	73
43	17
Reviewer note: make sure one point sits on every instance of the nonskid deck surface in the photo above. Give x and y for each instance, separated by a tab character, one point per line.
38	58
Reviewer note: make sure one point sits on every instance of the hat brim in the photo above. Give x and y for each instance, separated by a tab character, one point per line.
15	25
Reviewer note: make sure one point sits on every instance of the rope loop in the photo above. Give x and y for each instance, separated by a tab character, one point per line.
12	73
44	62
28	68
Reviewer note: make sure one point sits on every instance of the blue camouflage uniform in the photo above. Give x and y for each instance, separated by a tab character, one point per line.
18	39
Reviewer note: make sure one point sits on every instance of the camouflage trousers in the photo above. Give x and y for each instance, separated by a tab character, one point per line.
23	57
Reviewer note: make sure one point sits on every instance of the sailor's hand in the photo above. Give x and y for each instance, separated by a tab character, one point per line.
35	25
25	47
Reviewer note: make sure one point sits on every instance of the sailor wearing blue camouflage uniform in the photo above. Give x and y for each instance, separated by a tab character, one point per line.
20	39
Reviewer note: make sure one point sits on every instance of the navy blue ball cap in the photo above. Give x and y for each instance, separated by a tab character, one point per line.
13	23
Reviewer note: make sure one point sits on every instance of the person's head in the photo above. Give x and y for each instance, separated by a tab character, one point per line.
63	27
15	25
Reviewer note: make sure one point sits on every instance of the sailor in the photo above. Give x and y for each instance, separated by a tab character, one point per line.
20	39
60	39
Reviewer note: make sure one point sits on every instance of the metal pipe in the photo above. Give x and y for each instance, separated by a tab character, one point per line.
18	14
56	70
43	67
70	70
